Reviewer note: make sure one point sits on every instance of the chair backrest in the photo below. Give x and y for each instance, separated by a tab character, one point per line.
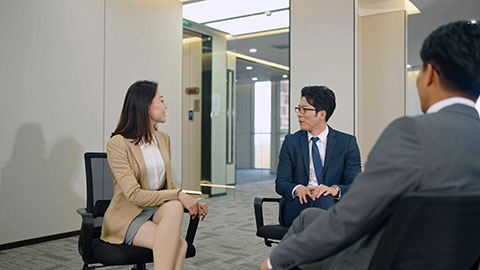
431	230
99	183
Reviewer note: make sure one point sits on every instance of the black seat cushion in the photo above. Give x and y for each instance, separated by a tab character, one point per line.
275	232
110	254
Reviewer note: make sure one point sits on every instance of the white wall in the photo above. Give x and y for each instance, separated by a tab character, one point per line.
53	104
322	42
143	40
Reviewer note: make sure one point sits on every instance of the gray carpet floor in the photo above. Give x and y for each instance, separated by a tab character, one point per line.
224	240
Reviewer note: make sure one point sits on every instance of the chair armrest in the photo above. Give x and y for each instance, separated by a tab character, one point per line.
257	207
192	228
86	234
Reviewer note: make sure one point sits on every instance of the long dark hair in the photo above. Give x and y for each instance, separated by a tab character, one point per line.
134	120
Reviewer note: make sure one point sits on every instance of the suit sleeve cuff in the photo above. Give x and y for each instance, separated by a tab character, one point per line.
293	191
339	192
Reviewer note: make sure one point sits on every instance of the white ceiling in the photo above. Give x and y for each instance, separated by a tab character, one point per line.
213	10
275	48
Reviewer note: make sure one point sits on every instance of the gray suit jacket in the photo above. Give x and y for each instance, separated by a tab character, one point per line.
439	151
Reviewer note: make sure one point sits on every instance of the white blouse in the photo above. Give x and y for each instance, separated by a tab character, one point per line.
154	163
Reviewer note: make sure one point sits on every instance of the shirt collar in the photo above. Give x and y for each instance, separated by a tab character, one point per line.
448	102
322	136
477	105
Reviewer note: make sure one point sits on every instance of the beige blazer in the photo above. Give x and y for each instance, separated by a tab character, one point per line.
130	185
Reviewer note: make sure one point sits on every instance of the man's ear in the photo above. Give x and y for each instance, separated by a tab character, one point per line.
322	114
430	75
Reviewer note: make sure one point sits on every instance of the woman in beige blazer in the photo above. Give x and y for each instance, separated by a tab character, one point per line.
147	207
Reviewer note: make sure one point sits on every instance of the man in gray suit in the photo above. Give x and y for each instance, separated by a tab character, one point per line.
436	151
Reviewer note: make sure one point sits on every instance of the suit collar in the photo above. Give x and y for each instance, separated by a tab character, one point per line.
163	147
304	148
322	136
449	102
138	155
461	109
331	142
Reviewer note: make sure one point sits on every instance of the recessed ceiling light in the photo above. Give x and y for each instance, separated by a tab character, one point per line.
409	66
249	67
285	76
252	50
254	78
473	21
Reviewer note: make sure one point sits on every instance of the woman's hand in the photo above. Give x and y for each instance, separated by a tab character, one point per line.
203	210
190	204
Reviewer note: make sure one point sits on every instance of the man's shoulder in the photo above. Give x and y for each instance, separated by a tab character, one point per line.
294	138
297	134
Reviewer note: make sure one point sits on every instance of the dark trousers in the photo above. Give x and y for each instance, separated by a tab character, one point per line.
333	262
292	208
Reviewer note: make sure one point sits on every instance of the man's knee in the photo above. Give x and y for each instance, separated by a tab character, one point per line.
324	202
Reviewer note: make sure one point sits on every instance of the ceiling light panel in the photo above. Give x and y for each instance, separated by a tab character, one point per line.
213	10
252	24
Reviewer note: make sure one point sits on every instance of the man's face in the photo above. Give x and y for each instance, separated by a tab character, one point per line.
309	120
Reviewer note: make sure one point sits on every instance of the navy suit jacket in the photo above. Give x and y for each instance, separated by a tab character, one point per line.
341	165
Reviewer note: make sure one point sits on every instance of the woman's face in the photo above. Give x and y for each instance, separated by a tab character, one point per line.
157	109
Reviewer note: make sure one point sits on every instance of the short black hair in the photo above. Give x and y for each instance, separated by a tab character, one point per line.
454	52
320	97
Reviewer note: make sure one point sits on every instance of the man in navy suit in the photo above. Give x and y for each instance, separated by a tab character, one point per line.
317	164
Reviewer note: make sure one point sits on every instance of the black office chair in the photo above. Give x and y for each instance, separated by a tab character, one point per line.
270	233
99	193
432	230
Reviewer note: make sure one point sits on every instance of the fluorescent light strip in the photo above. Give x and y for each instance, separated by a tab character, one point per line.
381	7
192	192
411	8
260	34
218	186
191	39
259	61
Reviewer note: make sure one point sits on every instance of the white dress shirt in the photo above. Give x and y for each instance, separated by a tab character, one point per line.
154	164
477	106
322	148
448	102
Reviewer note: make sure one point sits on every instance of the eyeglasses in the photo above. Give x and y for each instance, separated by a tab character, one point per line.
302	110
